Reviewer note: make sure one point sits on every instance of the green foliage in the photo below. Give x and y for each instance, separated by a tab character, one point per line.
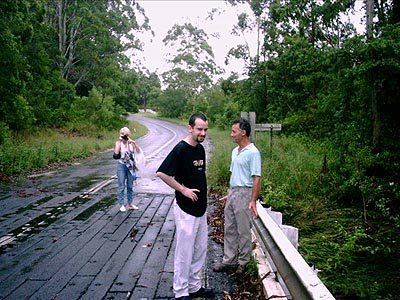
357	256
275	197
48	147
337	165
172	103
351	243
224	120
218	107
291	170
15	33
349	259
366	181
18	114
51	100
4	133
149	90
218	167
95	112
336	95
193	64
51	53
252	268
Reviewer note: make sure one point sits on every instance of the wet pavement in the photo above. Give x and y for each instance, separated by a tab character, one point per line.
62	235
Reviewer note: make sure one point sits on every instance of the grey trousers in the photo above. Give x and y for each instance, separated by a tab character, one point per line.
237	230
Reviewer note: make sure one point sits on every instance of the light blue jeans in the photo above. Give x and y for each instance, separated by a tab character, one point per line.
125	178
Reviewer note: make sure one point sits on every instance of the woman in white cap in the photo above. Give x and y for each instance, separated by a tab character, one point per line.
125	150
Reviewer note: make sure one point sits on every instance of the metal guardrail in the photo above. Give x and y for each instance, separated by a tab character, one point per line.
292	271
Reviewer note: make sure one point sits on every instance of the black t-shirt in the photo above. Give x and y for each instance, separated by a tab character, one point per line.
188	165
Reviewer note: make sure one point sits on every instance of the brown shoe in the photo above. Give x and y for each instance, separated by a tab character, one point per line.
224	268
240	270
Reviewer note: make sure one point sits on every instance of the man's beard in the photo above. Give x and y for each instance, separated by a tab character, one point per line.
200	139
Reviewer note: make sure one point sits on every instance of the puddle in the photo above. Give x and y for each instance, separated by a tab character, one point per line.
101	205
41	222
85	182
27	208
33	205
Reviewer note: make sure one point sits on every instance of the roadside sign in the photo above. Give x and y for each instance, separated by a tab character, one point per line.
268	127
251	117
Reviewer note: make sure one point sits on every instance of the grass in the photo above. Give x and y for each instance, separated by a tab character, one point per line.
218	168
32	152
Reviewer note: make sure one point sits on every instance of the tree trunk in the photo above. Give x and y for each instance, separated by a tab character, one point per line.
377	126
370	17
395	12
376	129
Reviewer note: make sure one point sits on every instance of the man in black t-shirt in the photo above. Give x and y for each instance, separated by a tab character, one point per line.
184	170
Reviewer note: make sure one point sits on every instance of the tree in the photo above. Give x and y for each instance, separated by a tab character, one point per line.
95	112
92	36
218	105
247	23
149	89
193	65
172	103
54	50
16	31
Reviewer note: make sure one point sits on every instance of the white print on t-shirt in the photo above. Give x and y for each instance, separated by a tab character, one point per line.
198	163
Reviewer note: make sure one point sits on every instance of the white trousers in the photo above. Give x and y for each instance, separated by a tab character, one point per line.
190	252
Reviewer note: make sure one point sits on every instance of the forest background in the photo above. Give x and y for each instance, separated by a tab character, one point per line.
333	171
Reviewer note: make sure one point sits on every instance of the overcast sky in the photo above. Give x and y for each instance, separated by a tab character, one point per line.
163	14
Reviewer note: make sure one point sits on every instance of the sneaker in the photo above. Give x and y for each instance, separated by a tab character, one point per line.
224	268
240	270
132	206
202	293
122	208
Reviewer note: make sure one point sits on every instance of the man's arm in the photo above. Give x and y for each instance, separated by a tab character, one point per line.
254	195
171	181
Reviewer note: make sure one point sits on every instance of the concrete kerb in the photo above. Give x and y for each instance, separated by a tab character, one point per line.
270	284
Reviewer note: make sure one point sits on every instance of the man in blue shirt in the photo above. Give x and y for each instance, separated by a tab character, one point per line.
245	184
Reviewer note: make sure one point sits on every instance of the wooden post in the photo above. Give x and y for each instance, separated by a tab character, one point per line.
251	117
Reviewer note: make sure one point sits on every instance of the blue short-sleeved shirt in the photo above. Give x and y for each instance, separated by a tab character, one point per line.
244	165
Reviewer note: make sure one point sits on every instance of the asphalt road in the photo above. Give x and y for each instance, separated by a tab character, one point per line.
63	237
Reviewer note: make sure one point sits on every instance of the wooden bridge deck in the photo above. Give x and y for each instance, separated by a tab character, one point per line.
94	253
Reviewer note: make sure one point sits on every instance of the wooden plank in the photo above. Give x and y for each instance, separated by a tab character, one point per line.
75	288
153	269
133	267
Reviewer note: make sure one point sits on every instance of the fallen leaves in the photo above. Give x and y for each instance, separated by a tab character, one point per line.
248	288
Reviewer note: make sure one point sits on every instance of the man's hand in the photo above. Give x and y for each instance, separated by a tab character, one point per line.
190	193
223	198
253	207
